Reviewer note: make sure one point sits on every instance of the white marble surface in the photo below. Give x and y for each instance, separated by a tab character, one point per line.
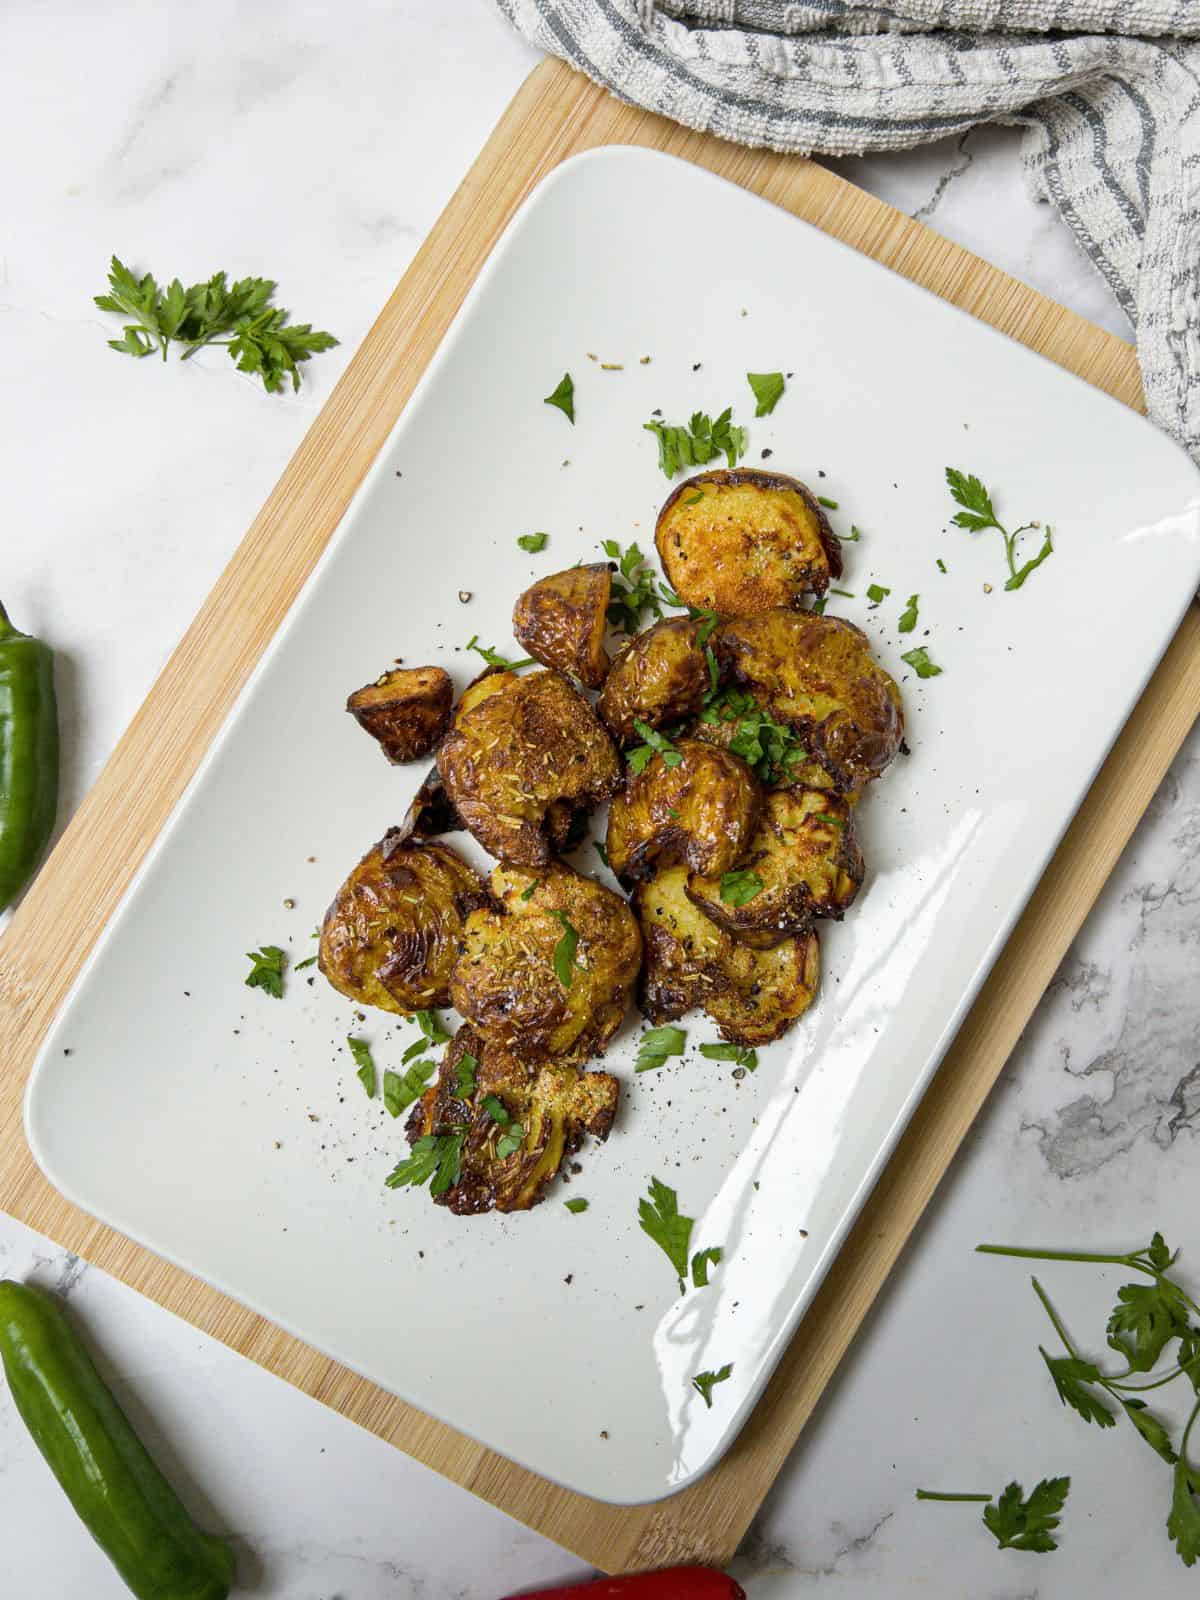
318	143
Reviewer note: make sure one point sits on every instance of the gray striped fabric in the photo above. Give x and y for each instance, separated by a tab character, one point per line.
1108	92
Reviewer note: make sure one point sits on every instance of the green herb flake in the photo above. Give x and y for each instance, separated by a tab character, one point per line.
818	607
653	743
564	951
564	398
739	887
941	565
510	1141
847	594
767	388
828	818
655	1046
533	542
908	617
576	1207
701	1262
661	1220
266	970
402	1089
527	894
876	593
704	1382
366	1075
824	500
698	442
494	659
1028	1524
633	588
464	1075
436	1159
919	661
736	1053
309	961
694	499
853	536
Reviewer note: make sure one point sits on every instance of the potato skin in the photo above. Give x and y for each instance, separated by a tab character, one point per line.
754	996
504	981
806	852
702	811
660	677
756	540
407	710
430	812
555	1105
561	620
817	675
390	938
522	757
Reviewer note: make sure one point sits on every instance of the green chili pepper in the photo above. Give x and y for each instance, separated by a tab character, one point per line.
126	1504
28	756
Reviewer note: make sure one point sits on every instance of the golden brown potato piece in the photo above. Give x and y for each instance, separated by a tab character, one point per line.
515	953
753	996
701	810
430	812
561	621
391	937
549	1109
660	678
743	542
806	860
407	710
523	756
817	676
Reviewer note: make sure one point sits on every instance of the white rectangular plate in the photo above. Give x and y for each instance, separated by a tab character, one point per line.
226	1131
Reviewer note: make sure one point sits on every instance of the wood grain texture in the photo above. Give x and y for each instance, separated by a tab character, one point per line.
558	114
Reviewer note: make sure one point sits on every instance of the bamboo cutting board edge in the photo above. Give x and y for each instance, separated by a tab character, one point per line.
557	114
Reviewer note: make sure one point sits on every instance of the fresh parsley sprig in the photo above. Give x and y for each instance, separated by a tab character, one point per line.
494	658
653	743
704	1382
436	1159
695	443
266	969
978	514
770	748
238	316
1019	1522
633	589
657	1045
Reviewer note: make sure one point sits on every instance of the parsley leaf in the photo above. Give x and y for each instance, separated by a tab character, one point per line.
493	658
1028	1524
824	500
464	1076
740	887
237	316
695	444
655	1046
660	1218
564	398
497	1110
877	593
401	1089
533	542
632	587
701	1262
510	1141
767	388
1146	1317
769	748
436	1159
978	514
432	1027
576	1206
311	961
908	617
1151	1429
1183	1522
703	1382
919	660
266	970
653	743
564	951
1071	1376
731	1052
366	1074
529	892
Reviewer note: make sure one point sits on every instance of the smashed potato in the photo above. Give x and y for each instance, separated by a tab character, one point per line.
561	620
391	936
816	675
745	541
524	756
537	1115
806	858
430	812
407	710
753	996
660	678
701	810
548	967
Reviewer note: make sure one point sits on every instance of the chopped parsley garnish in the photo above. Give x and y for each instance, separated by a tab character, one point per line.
493	658
731	1052
740	887
828	818
660	1218
564	951
978	514
632	588
497	1110
818	607
527	894
1019	1523
653	743
309	961
877	594
853	536
941	565
919	661
705	631
770	748
714	672
576	1206
908	617
655	1046
533	542
436	1159
564	398
401	1089
698	442
432	1035
847	594
366	1075
704	1382
694	499
701	1262
824	500
464	1075
767	388
266	970
510	1141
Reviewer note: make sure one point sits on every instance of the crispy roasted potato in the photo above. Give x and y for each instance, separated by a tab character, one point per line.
817	676
391	937
508	981
660	678
742	542
561	620
549	1109
702	810
430	812
753	996
805	854
522	757
406	709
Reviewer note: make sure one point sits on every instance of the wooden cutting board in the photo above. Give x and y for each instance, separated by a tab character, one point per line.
557	114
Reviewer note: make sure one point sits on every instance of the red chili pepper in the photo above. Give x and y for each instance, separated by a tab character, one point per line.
676	1583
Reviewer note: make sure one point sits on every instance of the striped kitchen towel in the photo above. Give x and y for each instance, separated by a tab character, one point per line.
1108	92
